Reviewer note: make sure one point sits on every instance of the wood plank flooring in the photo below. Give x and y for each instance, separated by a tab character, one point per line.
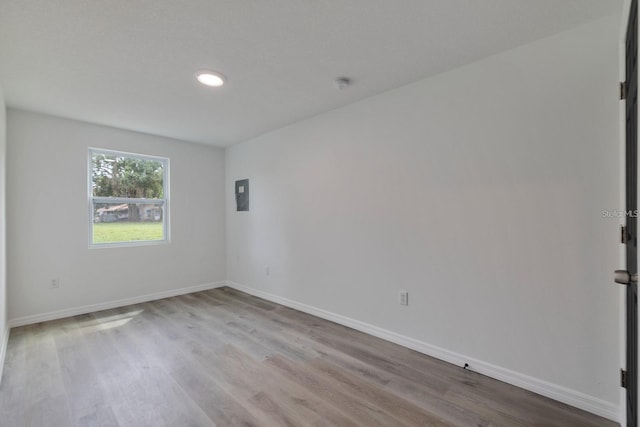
225	358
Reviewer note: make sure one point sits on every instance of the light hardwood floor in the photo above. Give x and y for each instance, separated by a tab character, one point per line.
225	358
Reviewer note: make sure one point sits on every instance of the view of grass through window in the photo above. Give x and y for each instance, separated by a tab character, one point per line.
126	231
128	197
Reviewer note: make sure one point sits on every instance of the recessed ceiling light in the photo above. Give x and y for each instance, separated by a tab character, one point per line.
210	78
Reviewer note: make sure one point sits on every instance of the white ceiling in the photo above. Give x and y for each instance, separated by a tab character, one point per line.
131	63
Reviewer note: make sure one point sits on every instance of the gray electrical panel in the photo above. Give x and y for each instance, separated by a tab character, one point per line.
242	195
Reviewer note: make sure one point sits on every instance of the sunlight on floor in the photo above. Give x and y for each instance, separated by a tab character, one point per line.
110	322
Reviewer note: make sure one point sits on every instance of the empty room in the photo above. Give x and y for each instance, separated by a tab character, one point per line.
318	213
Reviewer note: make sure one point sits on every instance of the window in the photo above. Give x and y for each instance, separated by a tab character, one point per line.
128	198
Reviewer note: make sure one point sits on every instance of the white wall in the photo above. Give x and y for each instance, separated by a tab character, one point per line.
48	218
479	191
4	330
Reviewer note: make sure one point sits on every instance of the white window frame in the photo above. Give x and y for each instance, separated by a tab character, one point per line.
128	200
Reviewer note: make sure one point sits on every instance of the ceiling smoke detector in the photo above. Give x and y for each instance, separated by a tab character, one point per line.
342	82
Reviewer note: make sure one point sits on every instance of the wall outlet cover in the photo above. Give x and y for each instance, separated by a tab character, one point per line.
404	298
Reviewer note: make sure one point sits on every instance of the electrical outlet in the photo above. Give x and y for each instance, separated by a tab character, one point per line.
404	298
55	283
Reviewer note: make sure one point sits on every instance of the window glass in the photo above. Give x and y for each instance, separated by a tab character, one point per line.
127	197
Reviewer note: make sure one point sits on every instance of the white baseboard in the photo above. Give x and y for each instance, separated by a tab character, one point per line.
554	391
3	350
53	315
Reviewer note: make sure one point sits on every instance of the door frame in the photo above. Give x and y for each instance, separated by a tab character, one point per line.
622	254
